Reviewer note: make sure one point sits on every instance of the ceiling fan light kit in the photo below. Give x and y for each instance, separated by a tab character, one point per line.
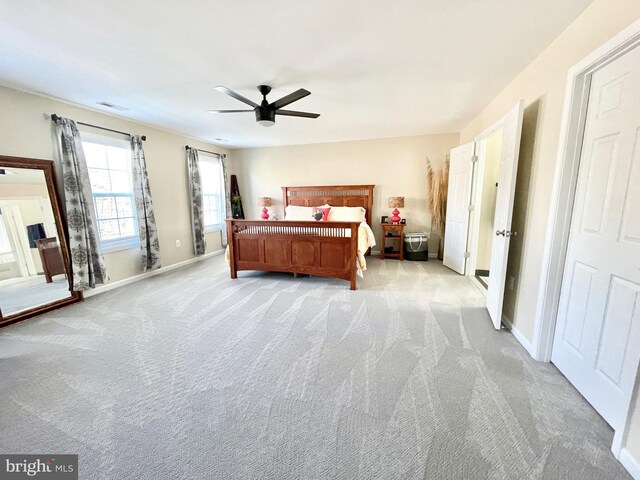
266	112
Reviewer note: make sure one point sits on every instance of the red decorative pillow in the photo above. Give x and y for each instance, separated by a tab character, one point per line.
318	211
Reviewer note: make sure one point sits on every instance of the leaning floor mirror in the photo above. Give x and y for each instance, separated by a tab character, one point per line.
35	273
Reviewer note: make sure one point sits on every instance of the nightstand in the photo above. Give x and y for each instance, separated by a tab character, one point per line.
392	233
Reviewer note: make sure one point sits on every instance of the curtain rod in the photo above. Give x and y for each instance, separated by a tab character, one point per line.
55	118
187	147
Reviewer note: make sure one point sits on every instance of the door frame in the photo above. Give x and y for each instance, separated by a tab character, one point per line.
564	187
477	179
19	240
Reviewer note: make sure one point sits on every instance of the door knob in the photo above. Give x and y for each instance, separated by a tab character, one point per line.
500	232
506	233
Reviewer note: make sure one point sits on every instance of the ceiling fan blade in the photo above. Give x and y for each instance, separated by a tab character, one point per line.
292	97
237	96
228	111
292	113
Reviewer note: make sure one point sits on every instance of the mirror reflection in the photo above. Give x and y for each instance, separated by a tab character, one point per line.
32	269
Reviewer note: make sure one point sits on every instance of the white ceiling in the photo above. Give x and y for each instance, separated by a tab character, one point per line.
374	68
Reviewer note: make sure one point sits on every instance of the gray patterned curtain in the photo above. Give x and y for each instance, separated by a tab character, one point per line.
149	244
87	262
195	196
227	199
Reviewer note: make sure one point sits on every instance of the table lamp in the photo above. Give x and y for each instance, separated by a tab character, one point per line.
395	203
264	202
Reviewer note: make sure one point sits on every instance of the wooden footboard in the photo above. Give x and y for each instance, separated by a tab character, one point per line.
326	249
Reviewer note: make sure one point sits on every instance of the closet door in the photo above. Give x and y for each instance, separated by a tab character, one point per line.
458	201
597	339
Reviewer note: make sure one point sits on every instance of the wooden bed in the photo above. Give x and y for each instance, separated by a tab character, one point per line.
326	249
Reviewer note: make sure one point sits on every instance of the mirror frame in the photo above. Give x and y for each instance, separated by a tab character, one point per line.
47	167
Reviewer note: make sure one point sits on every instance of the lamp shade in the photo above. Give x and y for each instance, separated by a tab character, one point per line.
264	201
396	202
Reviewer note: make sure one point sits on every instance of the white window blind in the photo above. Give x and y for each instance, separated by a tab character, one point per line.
109	164
212	191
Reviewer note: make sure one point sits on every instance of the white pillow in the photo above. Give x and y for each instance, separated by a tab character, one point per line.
297	213
347	214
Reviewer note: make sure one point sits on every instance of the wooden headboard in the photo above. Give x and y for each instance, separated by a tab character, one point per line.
336	195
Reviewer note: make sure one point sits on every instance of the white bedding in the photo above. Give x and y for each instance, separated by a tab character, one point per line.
366	240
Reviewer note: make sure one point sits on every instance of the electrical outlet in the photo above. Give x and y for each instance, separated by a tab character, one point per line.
512	280
178	244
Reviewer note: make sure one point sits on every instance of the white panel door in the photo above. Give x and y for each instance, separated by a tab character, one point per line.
597	338
458	200
512	131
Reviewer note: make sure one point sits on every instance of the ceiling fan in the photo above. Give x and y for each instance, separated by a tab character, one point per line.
266	112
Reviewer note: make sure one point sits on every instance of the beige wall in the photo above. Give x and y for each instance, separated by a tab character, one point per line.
397	167
488	203
23	190
26	131
542	85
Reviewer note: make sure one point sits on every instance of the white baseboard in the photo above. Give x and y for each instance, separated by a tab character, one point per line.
433	255
142	276
629	462
518	334
481	288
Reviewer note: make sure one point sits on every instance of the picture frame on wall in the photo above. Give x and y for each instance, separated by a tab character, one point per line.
385	219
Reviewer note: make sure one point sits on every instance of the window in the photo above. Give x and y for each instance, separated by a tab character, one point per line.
109	164
212	192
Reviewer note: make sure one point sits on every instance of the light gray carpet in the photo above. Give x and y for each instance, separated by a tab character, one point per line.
25	294
191	375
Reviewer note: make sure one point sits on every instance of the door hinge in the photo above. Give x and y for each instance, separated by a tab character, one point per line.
470	208
474	158
467	254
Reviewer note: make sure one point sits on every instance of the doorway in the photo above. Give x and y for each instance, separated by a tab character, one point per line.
490	149
590	200
16	259
480	210
598	323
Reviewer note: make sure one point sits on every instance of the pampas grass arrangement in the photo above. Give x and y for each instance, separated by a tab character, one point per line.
438	184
